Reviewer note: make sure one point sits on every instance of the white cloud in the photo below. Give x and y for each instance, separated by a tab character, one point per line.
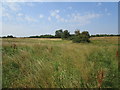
9	9
12	6
54	12
57	11
49	18
20	14
83	19
29	19
12	10
41	16
57	16
108	13
75	17
7	15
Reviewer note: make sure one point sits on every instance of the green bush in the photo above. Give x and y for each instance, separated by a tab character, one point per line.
81	38
65	34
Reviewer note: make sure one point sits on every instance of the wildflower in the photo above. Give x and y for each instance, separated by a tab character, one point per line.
100	78
117	54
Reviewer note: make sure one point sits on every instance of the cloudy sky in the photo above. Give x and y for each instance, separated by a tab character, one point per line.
36	18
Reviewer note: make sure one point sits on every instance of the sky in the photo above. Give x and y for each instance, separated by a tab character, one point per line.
36	18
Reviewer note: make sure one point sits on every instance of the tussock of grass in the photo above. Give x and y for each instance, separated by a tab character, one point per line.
39	63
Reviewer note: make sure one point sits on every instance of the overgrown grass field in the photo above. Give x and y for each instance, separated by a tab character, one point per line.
56	63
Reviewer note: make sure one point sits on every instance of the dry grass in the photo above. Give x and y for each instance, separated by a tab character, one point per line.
104	38
46	39
48	63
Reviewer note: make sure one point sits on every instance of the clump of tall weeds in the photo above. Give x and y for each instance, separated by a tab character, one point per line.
105	68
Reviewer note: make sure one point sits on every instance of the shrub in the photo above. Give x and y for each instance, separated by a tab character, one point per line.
65	34
76	39
71	37
86	33
81	38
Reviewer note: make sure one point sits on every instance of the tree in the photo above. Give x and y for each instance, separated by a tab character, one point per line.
9	36
86	33
65	34
58	33
81	37
77	32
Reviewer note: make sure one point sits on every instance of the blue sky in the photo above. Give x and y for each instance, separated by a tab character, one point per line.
36	18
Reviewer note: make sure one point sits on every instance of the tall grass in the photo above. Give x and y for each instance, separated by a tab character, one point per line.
59	63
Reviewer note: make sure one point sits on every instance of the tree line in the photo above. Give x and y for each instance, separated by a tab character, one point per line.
65	35
104	35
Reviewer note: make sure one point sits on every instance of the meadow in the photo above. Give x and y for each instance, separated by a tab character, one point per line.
56	63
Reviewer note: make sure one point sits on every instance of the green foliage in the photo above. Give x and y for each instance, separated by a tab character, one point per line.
77	32
105	60
86	33
58	33
10	73
43	36
58	63
81	37
9	50
71	37
9	36
65	34
104	35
